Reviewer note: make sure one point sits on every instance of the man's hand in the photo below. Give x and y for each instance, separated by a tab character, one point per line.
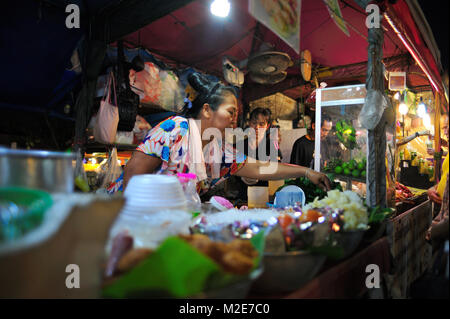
425	132
320	179
434	196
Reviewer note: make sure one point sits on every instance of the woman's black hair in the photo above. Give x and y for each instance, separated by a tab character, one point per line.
267	113
208	91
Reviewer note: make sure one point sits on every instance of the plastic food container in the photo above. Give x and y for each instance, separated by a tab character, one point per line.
258	196
21	210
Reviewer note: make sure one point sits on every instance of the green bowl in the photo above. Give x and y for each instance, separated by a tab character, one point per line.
29	205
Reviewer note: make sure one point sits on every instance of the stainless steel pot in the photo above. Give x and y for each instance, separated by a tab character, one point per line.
49	171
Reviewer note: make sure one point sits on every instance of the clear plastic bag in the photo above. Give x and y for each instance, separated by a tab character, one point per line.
81	180
110	170
373	109
188	181
172	92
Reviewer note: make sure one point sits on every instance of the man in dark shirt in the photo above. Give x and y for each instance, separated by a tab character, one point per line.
303	148
261	146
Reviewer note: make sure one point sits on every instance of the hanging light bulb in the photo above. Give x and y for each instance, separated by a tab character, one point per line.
220	8
403	108
397	96
421	109
426	121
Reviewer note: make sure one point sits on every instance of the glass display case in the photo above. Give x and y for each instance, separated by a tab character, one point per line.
342	149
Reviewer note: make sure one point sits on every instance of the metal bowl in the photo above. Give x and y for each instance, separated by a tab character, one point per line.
49	171
348	241
288	271
237	290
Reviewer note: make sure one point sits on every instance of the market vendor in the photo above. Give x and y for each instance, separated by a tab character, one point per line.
262	144
178	144
303	148
436	192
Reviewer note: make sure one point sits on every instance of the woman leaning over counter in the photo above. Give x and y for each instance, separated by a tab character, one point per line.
178	144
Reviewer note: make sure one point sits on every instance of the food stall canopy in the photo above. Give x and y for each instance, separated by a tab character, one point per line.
192	36
36	61
407	20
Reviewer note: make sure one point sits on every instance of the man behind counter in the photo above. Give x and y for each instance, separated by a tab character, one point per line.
261	146
303	149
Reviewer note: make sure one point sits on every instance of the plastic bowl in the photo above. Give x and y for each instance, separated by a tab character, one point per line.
148	193
29	207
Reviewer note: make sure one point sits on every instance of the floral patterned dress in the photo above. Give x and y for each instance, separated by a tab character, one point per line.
169	141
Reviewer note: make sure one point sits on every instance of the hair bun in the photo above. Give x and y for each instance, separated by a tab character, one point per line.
199	83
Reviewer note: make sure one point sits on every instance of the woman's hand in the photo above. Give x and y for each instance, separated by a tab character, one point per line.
320	179
434	196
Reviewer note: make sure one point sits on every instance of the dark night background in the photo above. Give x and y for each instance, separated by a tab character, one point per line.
437	14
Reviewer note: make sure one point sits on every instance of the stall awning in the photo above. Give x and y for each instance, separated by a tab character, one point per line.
401	19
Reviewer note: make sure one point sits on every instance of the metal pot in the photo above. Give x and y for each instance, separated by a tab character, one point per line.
49	171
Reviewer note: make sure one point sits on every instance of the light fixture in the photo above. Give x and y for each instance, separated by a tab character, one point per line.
397	96
220	8
421	109
426	121
403	108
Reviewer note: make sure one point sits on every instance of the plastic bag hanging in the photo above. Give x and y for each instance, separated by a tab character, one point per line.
109	171
373	109
81	180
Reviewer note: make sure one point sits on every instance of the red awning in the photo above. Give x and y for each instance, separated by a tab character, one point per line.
401	20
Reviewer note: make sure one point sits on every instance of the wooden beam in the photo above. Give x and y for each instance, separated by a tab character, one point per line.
376	153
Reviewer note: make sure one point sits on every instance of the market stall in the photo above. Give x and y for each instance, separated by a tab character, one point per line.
300	241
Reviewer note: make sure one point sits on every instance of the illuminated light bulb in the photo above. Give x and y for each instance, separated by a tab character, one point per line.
397	96
426	121
403	108
93	161
421	109
220	8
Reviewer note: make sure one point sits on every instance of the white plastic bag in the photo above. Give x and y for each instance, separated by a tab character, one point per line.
105	127
146	84
123	137
373	109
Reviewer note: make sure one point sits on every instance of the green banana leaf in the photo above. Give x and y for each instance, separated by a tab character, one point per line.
175	270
